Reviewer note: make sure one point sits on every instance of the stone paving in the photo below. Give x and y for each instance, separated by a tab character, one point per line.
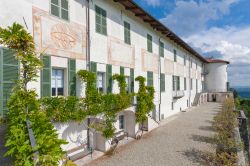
179	141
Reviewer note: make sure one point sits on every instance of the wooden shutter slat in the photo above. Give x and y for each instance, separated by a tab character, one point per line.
132	80
72	77
109	78
46	76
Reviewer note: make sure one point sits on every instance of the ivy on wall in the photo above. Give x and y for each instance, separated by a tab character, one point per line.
23	107
145	97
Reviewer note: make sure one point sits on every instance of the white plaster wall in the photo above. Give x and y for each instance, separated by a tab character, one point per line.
216	79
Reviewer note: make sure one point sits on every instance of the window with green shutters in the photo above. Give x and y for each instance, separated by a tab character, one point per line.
149	43
162	82
46	76
176	83
93	67
72	77
127	38
185	83
60	8
122	70
132	80
150	78
109	81
175	55
100	20
161	49
9	73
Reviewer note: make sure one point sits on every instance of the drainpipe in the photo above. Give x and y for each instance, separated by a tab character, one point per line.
88	61
189	68
159	80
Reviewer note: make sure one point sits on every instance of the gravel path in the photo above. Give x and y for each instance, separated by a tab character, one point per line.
178	142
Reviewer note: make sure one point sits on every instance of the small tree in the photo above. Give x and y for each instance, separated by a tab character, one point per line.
24	106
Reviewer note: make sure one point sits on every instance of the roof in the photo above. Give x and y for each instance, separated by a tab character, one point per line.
157	25
211	60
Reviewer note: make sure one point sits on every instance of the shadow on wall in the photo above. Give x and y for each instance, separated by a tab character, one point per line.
5	161
73	132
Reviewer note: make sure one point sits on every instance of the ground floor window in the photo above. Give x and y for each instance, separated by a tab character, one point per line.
121	122
128	84
57	82
100	82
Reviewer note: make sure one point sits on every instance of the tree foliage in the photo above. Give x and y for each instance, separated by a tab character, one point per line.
23	106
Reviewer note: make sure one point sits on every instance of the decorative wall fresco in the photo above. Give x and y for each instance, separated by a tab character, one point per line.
150	61
120	54
57	37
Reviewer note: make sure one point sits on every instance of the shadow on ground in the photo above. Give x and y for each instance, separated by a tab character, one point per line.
201	138
197	156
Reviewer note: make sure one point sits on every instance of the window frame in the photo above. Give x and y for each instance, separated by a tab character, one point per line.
175	55
127	31
60	8
103	20
103	82
149	43
149	81
121	119
161	49
162	82
176	83
63	81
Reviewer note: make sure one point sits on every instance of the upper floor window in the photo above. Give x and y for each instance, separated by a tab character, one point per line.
161	49
100	20
150	78
60	8
149	43
176	83
57	82
185	84
175	55
185	60
127	38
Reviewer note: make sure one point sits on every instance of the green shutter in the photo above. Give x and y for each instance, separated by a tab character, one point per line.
162	82
185	84
161	49
122	70
175	56
178	83
9	73
149	43
101	22
72	77
109	78
93	67
132	81
127	33
150	79
46	76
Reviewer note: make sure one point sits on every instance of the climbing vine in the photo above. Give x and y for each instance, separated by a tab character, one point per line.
145	102
24	107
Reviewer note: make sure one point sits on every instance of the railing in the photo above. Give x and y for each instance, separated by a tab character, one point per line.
178	94
243	127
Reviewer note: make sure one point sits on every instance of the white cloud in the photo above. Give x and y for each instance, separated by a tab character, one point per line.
232	44
153	3
189	17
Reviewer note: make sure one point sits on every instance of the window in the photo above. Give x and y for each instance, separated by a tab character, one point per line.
150	79
121	122
175	55
57	82
161	49
176	83
191	63
149	43
185	84
100	20
128	84
172	106
162	83
127	33
60	8
100	82
185	60
196	65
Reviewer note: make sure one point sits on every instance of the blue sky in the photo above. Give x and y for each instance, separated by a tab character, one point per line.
218	28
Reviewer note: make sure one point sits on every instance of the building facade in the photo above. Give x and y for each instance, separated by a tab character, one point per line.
107	37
